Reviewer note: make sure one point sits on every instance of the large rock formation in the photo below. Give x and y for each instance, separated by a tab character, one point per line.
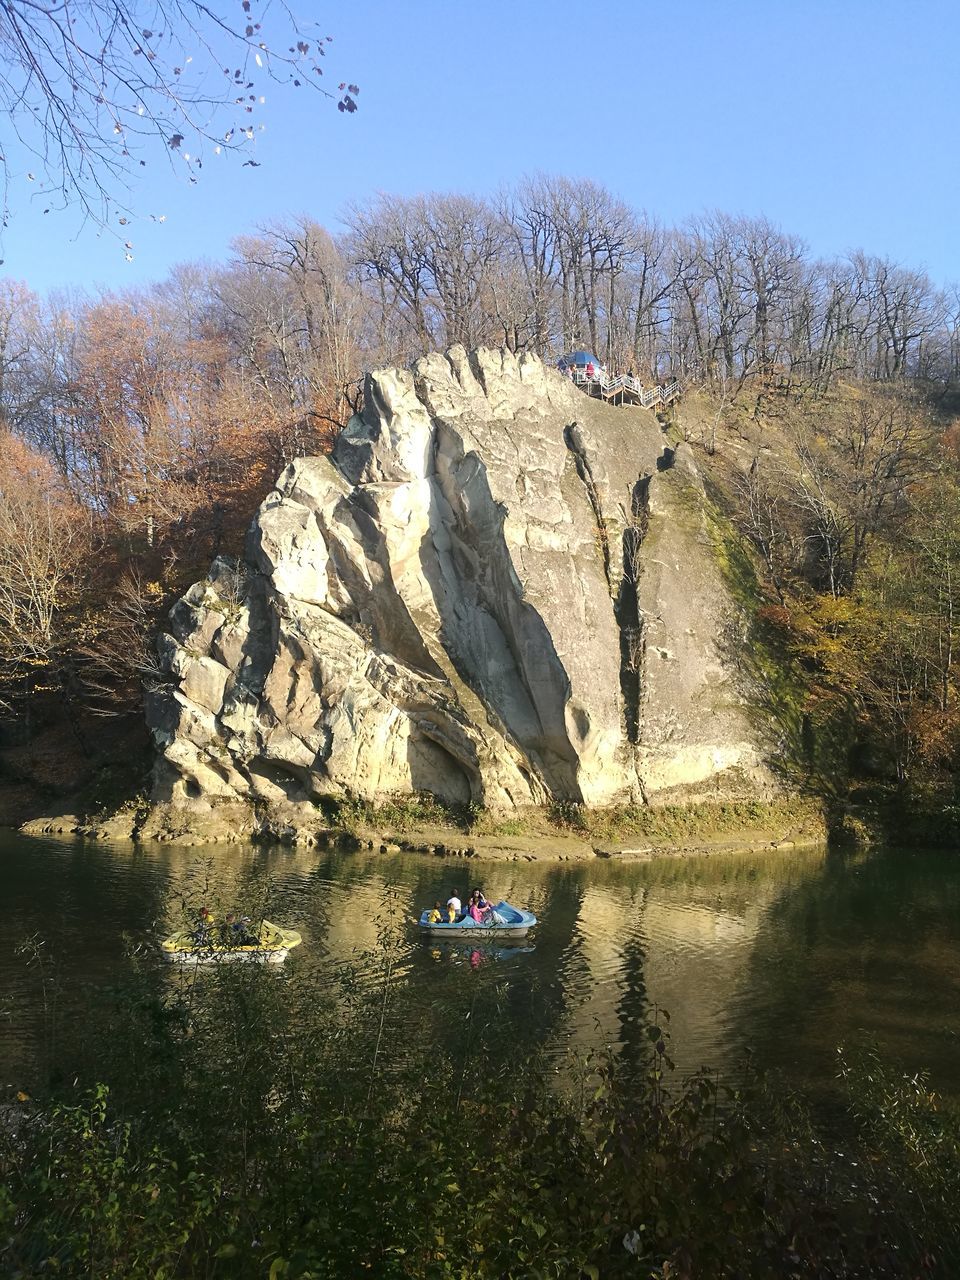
496	590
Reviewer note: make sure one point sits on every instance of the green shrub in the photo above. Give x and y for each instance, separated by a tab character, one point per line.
310	1124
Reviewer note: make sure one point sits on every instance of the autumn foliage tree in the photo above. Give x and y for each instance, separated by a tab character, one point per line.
44	541
877	636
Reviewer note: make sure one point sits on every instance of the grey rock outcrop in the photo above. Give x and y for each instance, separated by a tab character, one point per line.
495	590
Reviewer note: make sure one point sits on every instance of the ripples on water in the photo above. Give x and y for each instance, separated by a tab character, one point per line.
785	953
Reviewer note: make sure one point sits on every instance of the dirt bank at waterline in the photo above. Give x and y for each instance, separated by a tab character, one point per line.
631	833
568	848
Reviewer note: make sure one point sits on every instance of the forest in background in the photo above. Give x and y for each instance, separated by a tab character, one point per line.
142	427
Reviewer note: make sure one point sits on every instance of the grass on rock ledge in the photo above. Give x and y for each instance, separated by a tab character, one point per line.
656	824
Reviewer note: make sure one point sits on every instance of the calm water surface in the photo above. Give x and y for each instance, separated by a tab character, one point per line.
786	954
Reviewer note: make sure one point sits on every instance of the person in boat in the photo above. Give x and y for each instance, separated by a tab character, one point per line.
236	932
486	909
202	934
454	901
490	913
474	909
451	913
434	916
243	934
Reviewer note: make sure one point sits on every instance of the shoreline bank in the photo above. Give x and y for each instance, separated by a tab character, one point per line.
627	834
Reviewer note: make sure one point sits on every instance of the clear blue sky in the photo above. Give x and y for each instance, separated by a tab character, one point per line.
835	118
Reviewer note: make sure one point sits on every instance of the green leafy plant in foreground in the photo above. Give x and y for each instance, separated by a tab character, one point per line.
326	1123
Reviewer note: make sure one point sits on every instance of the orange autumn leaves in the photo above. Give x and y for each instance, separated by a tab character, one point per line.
165	434
156	444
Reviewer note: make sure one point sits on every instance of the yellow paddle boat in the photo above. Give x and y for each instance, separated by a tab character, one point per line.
268	944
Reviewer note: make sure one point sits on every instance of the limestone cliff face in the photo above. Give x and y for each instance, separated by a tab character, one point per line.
496	590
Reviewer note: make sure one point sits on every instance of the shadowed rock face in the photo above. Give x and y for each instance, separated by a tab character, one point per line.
496	590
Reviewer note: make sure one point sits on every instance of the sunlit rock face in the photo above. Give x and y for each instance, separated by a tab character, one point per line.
496	590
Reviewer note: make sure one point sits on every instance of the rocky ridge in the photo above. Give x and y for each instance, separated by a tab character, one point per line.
495	590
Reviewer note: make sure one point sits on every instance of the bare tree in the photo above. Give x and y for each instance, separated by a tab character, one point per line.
765	514
41	542
298	316
854	470
386	246
91	87
531	247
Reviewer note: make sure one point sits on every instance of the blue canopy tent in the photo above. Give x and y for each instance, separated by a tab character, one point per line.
579	360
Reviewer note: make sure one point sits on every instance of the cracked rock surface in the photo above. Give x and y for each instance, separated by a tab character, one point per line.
496	590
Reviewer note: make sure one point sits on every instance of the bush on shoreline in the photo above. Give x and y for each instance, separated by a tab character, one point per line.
241	1122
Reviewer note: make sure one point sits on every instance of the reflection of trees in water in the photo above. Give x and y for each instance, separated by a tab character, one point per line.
78	917
61	889
864	951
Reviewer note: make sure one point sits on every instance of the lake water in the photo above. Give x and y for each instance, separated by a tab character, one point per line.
787	954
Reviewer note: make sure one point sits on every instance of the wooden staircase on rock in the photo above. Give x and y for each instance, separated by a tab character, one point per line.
625	389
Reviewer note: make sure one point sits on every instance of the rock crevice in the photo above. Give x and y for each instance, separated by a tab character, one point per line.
627	611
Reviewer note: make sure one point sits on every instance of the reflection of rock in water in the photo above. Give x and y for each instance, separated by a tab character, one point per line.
699	953
681	947
790	952
614	943
354	919
594	977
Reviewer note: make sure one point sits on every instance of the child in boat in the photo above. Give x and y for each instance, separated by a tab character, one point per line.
451	913
454	902
434	916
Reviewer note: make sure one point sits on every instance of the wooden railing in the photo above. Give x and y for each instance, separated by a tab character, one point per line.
626	388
